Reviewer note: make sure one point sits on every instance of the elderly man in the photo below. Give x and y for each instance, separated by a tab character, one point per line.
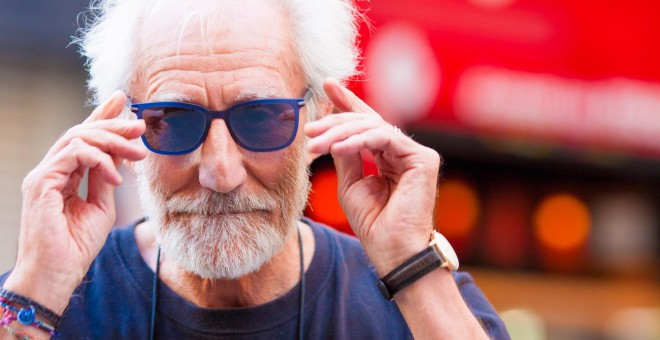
233	100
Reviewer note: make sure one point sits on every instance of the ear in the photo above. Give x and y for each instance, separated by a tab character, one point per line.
325	110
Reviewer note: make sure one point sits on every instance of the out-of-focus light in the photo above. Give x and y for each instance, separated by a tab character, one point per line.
323	203
634	323
625	233
506	226
524	324
403	73
562	222
457	209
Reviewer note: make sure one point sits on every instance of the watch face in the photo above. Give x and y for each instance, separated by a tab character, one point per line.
446	250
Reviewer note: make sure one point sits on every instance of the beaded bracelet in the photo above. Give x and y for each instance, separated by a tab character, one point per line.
10	296
26	316
16	334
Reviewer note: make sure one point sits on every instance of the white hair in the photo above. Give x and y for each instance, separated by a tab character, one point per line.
324	33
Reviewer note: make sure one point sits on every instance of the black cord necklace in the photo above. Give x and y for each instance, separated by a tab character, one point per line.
301	302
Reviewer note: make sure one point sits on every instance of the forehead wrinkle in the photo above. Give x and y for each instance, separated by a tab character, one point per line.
209	62
164	84
167	71
212	38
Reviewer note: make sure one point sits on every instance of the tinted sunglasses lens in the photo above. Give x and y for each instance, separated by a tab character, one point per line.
264	126
173	129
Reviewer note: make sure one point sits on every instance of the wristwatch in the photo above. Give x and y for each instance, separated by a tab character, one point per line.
439	254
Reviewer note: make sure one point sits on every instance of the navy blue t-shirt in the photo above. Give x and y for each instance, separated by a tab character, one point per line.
341	300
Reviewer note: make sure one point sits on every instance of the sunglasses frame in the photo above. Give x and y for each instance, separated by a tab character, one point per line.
296	103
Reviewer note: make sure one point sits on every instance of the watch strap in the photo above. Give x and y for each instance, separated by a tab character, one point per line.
410	271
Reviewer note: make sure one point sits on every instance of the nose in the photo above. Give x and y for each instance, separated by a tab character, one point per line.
221	166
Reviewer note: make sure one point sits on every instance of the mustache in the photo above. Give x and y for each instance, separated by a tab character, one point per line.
208	202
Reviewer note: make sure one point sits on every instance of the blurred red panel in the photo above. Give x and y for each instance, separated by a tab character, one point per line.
604	51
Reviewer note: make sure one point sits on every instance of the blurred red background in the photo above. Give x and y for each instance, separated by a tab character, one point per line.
547	114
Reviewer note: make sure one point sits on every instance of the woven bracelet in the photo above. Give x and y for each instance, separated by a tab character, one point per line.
16	334
25	316
10	296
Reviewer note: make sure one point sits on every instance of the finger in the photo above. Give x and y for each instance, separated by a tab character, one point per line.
349	170
111	108
100	192
338	132
115	145
317	127
129	129
72	187
343	99
80	155
99	133
385	138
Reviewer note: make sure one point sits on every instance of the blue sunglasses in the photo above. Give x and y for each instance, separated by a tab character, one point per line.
261	125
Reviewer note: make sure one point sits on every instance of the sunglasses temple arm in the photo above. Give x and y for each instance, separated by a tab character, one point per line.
308	96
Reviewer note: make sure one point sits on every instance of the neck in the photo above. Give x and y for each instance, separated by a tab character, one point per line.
271	281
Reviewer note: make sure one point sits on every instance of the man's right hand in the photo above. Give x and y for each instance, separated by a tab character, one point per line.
61	232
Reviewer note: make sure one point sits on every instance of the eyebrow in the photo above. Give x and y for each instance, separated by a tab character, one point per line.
243	96
167	96
259	93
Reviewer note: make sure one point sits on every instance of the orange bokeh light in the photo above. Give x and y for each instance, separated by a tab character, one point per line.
457	209
562	222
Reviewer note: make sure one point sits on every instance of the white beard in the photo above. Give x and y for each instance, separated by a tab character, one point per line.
225	235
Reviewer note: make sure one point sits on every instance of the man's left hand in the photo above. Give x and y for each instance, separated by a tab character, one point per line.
391	214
